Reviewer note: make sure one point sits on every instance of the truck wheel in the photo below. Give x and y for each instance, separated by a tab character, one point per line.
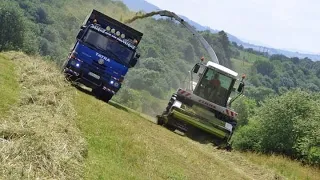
102	95
106	97
64	65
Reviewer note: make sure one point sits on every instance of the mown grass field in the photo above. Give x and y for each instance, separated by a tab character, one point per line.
38	135
124	145
9	87
41	136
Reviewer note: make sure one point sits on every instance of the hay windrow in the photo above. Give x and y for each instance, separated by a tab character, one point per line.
40	139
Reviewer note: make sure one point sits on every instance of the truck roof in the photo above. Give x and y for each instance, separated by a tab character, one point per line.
222	68
105	21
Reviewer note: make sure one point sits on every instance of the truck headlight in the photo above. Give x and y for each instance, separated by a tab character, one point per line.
114	83
73	62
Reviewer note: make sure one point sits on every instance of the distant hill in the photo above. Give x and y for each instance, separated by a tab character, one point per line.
314	57
138	5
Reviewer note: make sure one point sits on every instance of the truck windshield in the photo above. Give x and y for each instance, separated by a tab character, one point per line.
214	87
108	44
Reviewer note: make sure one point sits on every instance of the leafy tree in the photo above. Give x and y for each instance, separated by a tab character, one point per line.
224	40
189	53
245	107
264	67
288	124
12	26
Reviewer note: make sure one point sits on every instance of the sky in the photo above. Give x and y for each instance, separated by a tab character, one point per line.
284	24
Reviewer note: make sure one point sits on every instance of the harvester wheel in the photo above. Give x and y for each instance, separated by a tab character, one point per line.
160	120
169	127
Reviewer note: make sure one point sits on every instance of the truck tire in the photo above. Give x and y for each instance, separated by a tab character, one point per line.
102	95
106	97
64	65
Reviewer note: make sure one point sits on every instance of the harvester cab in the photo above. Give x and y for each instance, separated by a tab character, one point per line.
215	83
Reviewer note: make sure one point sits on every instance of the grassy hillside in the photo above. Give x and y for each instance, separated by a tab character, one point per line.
123	139
133	147
241	66
9	88
123	145
38	136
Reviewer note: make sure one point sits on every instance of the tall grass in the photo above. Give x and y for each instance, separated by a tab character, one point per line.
39	139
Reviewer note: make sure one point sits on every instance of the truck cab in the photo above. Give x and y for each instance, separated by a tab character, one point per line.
104	51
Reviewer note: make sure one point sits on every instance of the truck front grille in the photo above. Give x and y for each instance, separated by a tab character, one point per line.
96	64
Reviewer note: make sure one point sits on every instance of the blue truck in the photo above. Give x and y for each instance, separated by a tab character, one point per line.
104	51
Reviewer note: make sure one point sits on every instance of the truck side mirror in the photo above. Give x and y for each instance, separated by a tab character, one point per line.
134	60
80	34
240	88
196	68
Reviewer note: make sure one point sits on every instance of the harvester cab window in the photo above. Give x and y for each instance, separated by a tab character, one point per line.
214	87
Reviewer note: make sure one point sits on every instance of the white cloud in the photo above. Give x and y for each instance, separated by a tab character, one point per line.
290	24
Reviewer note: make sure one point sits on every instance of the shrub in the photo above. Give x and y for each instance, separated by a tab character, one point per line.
287	124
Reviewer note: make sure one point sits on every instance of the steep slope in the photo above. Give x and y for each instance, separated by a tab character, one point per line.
38	136
123	145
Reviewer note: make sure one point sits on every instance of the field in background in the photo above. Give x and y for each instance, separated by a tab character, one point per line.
241	66
250	57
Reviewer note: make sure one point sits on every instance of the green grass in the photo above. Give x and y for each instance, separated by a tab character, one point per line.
285	166
9	87
249	57
124	145
38	137
240	66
